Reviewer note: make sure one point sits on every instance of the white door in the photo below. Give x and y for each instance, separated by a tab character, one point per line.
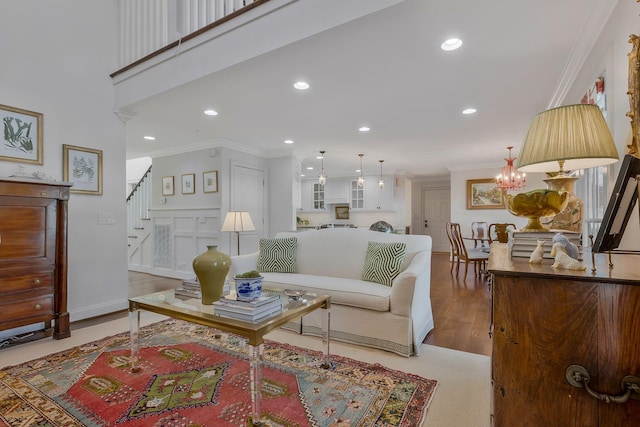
247	194
436	211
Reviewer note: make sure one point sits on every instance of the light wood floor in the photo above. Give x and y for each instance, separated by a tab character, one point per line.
461	308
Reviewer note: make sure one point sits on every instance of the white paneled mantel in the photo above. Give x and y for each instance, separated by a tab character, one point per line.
285	21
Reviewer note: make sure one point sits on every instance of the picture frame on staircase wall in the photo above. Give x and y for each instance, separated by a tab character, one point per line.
167	186
83	167
188	183
210	182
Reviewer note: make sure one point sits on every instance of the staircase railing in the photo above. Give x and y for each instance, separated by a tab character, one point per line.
138	204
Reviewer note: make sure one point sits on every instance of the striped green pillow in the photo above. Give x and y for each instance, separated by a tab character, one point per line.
383	262
278	255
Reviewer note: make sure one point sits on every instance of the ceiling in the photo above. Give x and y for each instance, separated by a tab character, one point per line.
385	70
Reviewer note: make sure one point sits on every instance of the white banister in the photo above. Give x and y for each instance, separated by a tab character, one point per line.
149	25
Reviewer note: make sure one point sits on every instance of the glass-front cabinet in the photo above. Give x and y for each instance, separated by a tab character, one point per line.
357	196
318	196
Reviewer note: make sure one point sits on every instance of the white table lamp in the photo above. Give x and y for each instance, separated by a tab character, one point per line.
238	221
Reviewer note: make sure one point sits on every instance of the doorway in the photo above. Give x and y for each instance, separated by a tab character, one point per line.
436	212
247	194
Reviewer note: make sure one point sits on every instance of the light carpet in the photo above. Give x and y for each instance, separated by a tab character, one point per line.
462	398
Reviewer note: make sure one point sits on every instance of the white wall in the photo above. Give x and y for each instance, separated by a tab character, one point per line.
56	59
609	57
282	194
464	216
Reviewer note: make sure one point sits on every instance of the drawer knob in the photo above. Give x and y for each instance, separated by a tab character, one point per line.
36	281
43	194
38	307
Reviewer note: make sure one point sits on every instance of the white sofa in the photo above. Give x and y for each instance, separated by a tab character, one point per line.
395	318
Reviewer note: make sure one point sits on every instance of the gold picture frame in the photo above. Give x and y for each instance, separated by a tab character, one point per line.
167	186
210	182
85	165
342	212
634	95
188	183
483	194
21	135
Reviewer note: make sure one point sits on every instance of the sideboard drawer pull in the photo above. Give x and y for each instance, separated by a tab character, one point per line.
37	281
38	307
578	376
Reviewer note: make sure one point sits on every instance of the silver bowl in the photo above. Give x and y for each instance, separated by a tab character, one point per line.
294	294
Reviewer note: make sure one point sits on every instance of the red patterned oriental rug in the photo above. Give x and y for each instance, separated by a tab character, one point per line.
195	376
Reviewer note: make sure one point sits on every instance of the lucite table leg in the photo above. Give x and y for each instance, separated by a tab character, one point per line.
255	368
326	338
134	332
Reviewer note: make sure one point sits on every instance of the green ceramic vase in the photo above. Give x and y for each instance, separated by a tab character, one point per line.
211	267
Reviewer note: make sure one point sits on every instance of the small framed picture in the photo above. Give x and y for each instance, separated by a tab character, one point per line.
82	167
210	182
188	183
167	186
21	136
483	194
342	212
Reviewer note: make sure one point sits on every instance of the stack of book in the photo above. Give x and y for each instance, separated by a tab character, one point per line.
252	311
189	288
522	243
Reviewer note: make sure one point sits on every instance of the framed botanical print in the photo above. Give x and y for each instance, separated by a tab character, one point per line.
82	167
167	186
188	183
210	182
21	136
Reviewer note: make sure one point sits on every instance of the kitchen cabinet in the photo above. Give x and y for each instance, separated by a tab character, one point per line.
545	321
376	198
33	255
312	197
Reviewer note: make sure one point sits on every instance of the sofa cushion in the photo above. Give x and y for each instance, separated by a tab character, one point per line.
383	262
350	292
277	255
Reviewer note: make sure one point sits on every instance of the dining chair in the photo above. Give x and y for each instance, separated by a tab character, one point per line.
475	256
479	232
453	247
500	232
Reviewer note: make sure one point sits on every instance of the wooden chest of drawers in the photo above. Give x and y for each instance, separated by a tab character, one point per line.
547	321
33	255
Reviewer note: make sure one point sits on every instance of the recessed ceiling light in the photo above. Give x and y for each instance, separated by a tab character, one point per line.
318	157
288	141
150	138
469	111
211	112
301	85
301	174
309	168
364	129
451	44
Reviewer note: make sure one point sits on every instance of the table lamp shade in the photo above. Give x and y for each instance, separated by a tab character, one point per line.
238	221
569	137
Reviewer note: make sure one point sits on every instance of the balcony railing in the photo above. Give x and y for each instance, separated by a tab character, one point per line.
150	27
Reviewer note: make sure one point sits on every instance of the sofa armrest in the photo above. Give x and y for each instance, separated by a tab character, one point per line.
243	263
413	284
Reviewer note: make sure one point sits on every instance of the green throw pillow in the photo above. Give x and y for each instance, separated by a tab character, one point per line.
278	255
383	262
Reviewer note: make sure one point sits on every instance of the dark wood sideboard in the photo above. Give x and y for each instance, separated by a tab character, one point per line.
33	255
544	321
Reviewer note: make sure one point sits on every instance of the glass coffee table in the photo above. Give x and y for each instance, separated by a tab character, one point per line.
192	310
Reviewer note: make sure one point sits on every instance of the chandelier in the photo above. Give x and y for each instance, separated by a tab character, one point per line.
361	174
381	180
510	178
322	178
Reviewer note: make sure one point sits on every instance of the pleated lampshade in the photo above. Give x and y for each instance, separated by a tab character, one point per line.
567	138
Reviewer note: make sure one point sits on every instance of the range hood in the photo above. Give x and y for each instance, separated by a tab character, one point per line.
336	201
